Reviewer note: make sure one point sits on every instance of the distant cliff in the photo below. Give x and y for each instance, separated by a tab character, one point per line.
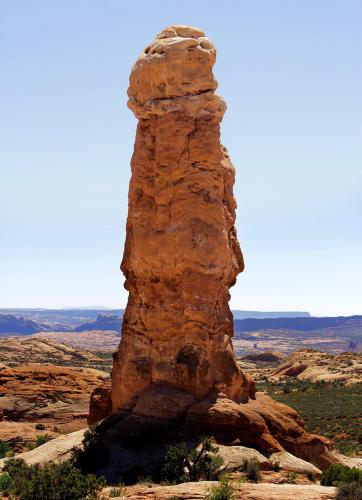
303	324
18	324
269	314
103	322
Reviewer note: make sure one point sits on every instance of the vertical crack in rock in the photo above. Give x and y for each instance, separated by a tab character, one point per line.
181	254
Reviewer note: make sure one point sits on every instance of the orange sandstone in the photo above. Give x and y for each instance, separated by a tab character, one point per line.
175	363
181	254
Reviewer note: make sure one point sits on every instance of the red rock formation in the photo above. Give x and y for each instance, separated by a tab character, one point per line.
175	363
47	393
181	253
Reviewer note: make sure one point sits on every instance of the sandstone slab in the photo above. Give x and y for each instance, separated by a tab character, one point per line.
197	491
289	462
56	450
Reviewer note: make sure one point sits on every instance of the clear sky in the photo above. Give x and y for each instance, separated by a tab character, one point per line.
291	73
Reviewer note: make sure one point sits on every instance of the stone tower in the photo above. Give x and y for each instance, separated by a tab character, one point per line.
181	254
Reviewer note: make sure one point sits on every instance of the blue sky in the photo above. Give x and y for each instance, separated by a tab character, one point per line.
291	74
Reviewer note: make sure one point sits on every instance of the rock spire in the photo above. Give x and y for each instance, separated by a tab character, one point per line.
181	254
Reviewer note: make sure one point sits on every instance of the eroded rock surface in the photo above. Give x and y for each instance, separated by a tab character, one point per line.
200	490
174	375
181	253
45	393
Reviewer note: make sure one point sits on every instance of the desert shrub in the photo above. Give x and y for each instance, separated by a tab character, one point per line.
276	466
117	492
310	475
251	469
223	491
40	427
6	484
340	424
4	448
291	477
336	474
52	482
93	454
349	491
42	439
191	464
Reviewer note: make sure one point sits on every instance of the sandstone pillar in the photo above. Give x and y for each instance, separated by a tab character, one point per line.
181	254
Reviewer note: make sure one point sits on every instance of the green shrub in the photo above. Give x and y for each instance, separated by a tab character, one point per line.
6	484
40	427
291	477
183	464
251	469
276	466
4	448
52	482
223	491
42	439
93	454
117	492
336	473
310	475
349	491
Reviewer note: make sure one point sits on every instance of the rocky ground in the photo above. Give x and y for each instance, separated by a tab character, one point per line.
58	396
293	478
101	341
44	399
57	350
304	364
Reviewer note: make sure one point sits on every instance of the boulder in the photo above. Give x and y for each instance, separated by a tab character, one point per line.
56	450
234	457
289	462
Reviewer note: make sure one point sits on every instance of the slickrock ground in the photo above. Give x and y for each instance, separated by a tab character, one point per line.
307	364
56	450
92	340
42	393
197	491
15	351
304	364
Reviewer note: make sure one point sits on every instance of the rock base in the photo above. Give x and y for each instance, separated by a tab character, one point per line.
165	415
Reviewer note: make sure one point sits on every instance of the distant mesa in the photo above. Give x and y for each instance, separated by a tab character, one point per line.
295	323
103	322
18	324
269	314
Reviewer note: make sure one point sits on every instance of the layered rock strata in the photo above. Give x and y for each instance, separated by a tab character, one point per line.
181	254
175	375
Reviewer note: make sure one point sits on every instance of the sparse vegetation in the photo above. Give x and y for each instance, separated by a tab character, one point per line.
348	480
40	427
310	476
251	469
52	482
276	466
40	440
291	477
225	490
5	448
117	492
330	409
349	491
336	473
92	455
191	464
